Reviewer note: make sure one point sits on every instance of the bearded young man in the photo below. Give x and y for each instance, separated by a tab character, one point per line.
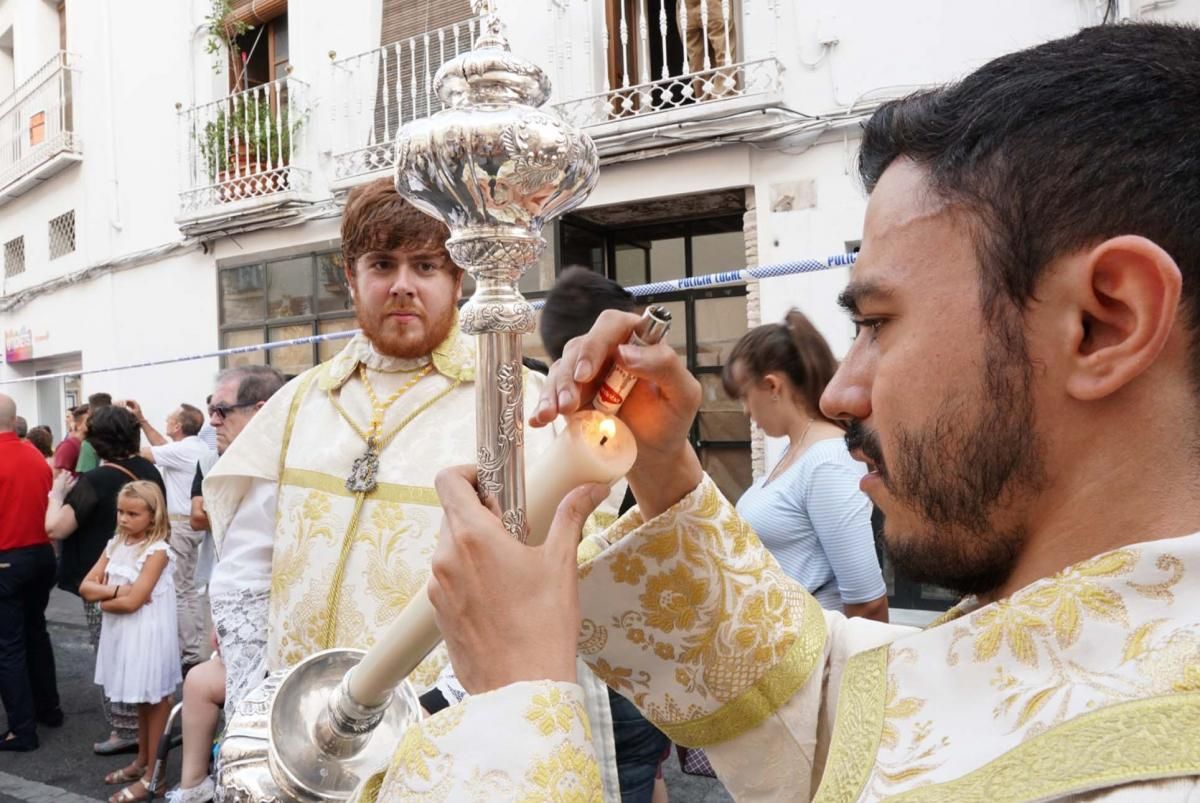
1023	389
332	481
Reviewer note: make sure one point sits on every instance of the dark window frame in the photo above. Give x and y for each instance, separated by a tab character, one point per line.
264	324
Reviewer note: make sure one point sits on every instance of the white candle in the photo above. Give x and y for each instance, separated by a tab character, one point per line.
594	448
406	642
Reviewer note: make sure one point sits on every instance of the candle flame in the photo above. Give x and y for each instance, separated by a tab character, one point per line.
608	428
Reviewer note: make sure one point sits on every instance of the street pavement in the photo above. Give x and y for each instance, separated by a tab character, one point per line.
65	770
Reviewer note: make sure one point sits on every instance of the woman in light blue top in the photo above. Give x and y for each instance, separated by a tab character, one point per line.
808	511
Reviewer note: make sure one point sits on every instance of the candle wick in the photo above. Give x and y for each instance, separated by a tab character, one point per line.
604	440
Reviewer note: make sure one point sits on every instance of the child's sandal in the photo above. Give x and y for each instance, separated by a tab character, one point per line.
127	795
133	772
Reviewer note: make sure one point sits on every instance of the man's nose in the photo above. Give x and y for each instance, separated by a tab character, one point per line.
403	284
848	394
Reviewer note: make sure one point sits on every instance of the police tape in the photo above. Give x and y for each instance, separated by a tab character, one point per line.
724	278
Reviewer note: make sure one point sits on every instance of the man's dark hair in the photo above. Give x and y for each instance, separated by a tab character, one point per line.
574	304
114	433
1059	147
191	420
99	400
255	382
21	427
80	411
42	438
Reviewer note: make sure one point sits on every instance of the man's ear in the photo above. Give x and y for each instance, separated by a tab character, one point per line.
1127	290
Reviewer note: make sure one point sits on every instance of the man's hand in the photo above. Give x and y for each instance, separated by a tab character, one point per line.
659	411
508	612
136	409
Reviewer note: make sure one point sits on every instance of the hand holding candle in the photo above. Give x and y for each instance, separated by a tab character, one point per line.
594	447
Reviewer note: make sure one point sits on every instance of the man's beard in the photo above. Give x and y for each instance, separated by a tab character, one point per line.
405	345
975	458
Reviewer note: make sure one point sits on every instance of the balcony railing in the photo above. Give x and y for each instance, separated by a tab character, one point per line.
243	151
37	127
658	62
377	92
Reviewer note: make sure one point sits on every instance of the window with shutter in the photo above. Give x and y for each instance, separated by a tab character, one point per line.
403	19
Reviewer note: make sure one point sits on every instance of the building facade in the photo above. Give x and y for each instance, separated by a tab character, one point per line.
163	193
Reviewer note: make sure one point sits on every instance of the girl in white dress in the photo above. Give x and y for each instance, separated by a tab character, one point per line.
138	658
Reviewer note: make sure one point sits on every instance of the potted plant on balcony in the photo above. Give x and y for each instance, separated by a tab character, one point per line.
244	145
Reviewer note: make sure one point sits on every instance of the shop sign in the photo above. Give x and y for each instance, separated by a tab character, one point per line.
18	344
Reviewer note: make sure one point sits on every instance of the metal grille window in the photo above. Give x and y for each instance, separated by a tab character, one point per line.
284	299
14	257
62	235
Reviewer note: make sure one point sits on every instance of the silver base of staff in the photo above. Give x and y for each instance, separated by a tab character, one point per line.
300	736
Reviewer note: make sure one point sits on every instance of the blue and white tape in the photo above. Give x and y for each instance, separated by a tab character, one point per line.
723	278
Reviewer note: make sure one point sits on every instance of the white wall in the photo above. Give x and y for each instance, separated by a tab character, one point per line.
152	312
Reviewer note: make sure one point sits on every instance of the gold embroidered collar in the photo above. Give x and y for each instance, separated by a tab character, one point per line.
454	359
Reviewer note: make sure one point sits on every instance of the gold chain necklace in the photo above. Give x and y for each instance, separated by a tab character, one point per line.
364	471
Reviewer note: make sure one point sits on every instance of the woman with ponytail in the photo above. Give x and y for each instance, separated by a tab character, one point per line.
808	510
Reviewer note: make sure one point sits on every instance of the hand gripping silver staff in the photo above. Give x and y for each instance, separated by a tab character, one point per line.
495	167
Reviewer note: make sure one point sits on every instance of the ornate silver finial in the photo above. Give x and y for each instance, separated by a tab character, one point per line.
495	167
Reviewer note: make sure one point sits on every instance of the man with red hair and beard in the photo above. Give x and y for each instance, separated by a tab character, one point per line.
329	489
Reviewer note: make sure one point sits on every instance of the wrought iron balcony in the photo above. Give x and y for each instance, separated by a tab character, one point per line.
376	92
663	68
243	153
37	127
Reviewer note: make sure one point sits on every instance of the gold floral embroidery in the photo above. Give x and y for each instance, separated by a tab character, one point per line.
1075	591
1166	563
414	753
316	507
763	613
568	775
717	623
894	708
1007	622
617	677
626	569
1138	642
549	711
672	598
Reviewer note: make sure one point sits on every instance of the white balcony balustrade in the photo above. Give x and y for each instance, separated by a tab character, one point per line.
659	62
242	153
37	127
377	92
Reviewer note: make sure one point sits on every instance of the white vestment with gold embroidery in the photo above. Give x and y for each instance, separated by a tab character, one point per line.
1082	686
343	565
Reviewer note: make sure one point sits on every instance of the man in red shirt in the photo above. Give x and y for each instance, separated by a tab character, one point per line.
66	456
28	685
